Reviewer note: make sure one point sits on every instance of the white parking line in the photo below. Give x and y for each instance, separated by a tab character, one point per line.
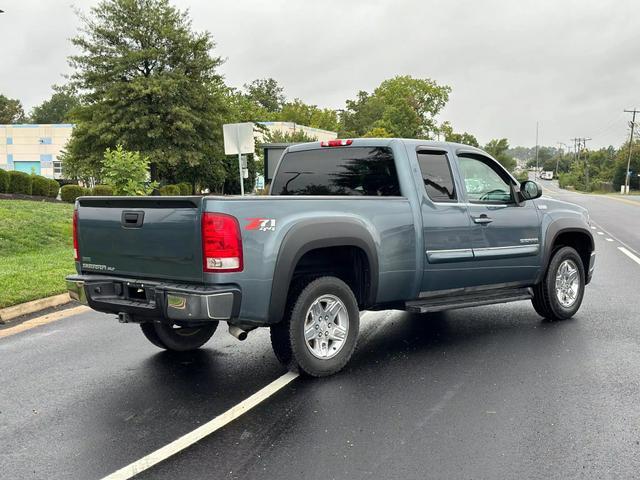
609	239
202	431
630	255
600	233
593	228
208	428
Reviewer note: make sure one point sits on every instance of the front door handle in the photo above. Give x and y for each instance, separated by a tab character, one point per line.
482	219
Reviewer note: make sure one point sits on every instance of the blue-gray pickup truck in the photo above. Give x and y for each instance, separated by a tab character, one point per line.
349	225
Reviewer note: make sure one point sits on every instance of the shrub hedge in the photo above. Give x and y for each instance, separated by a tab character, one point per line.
54	188
170	190
69	193
185	188
102	190
4	181
39	185
20	182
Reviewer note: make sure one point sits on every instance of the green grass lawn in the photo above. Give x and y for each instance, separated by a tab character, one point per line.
36	249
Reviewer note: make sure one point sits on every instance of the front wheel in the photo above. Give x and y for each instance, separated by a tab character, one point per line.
559	295
319	332
178	338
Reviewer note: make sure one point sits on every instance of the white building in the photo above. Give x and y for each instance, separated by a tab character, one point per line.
34	148
290	127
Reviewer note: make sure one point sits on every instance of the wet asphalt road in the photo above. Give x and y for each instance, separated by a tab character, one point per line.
491	392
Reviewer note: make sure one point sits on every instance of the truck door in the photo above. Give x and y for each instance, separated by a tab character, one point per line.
446	224
505	234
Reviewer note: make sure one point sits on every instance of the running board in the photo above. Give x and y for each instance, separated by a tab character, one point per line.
473	299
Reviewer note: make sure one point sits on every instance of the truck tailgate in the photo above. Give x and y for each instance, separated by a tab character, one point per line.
148	237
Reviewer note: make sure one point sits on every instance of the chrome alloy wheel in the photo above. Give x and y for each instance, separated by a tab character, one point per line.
326	326
567	283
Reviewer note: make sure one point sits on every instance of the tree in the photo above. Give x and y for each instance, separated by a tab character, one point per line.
404	106
299	136
127	172
267	93
310	115
620	168
11	110
150	84
57	109
377	132
498	148
446	129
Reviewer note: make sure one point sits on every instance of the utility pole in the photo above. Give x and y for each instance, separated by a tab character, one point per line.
562	144
586	160
575	149
537	170
579	144
628	174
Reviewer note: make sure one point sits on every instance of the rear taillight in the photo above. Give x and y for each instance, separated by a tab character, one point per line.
221	243
336	143
76	252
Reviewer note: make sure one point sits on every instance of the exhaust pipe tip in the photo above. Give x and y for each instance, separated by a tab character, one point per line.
238	332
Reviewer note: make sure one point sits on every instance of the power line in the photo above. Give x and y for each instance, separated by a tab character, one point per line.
628	174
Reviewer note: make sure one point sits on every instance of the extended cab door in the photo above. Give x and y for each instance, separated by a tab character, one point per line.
505	233
445	222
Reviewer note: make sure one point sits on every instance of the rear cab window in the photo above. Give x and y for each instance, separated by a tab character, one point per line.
349	171
436	175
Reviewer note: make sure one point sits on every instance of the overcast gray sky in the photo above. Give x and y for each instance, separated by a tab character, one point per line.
572	65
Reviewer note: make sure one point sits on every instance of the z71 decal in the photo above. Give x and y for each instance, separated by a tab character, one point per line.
262	224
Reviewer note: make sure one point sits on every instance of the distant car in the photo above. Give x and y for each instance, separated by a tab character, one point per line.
546	175
349	225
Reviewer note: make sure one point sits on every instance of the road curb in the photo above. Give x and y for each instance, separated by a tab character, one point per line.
34	306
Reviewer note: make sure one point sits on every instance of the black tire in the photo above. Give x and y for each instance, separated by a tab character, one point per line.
288	336
176	338
545	300
149	331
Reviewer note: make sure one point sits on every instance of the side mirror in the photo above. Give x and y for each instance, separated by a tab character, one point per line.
530	190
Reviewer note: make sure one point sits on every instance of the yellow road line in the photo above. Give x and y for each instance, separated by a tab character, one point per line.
43	320
624	200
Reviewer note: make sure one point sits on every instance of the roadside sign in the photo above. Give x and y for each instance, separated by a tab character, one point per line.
238	138
243	161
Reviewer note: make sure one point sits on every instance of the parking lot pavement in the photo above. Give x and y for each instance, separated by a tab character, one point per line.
491	392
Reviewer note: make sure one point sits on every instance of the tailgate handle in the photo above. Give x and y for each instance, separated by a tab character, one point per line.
132	219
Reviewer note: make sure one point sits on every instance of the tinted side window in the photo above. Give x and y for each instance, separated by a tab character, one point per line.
360	171
436	175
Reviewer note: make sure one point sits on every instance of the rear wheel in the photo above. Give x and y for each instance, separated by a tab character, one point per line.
178	338
559	295
319	332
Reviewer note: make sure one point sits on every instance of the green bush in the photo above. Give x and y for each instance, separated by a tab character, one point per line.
102	190
39	185
4	181
19	182
522	176
54	188
69	193
126	172
185	188
170	190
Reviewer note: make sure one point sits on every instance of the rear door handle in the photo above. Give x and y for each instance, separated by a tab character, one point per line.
482	219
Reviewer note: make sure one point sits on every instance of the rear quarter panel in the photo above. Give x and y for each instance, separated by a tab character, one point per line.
388	221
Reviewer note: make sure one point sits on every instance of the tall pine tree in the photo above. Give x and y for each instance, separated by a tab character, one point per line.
149	83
